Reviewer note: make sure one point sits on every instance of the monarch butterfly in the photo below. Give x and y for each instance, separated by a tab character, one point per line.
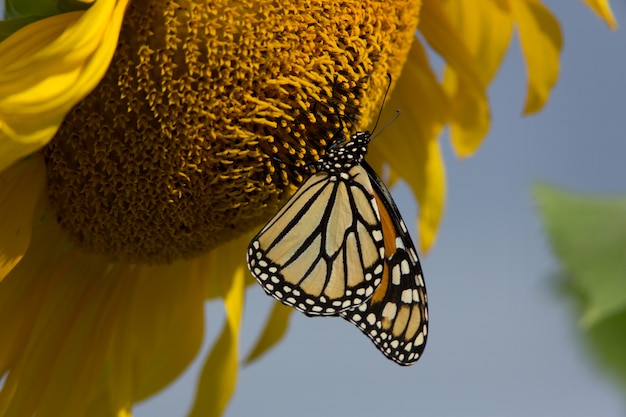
339	247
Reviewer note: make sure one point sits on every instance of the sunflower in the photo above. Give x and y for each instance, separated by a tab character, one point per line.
142	143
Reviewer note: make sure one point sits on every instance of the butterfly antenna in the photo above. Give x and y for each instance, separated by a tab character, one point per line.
387	124
380	112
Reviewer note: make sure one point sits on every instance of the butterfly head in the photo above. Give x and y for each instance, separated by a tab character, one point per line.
343	156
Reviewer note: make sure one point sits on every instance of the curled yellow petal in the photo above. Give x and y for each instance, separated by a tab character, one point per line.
486	30
603	9
471	116
540	36
274	330
46	68
444	38
20	189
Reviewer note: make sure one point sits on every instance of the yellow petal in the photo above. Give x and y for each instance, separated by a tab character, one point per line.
53	343
471	117
540	36
486	30
444	38
159	331
107	334
423	105
410	145
20	189
10	26
274	330
219	375
603	9
433	195
46	68
226	276
219	265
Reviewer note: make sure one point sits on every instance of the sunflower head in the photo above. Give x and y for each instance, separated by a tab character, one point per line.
209	115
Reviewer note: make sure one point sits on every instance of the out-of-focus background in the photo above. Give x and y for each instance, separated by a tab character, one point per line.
502	342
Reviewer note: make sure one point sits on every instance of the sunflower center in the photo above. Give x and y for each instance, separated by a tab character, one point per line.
194	135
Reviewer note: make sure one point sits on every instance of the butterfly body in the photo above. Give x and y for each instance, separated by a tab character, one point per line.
339	247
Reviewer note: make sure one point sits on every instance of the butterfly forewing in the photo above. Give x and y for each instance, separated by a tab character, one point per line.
323	252
395	318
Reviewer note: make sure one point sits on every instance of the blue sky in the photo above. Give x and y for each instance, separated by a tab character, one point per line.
502	342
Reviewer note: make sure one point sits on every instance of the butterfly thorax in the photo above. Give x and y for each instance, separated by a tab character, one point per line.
340	159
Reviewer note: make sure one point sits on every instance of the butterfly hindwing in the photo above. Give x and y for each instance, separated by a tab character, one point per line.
395	318
323	251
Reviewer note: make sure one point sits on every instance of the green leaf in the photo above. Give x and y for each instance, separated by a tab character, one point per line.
19	13
26	8
14	9
588	235
608	339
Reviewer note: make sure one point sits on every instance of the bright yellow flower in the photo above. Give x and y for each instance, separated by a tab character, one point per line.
130	184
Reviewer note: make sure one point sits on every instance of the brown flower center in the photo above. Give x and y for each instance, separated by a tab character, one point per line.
196	133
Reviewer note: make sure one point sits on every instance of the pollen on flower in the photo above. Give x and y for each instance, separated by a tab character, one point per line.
209	114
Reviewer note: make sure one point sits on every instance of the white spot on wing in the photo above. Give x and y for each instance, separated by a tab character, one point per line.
405	267
395	275
419	280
